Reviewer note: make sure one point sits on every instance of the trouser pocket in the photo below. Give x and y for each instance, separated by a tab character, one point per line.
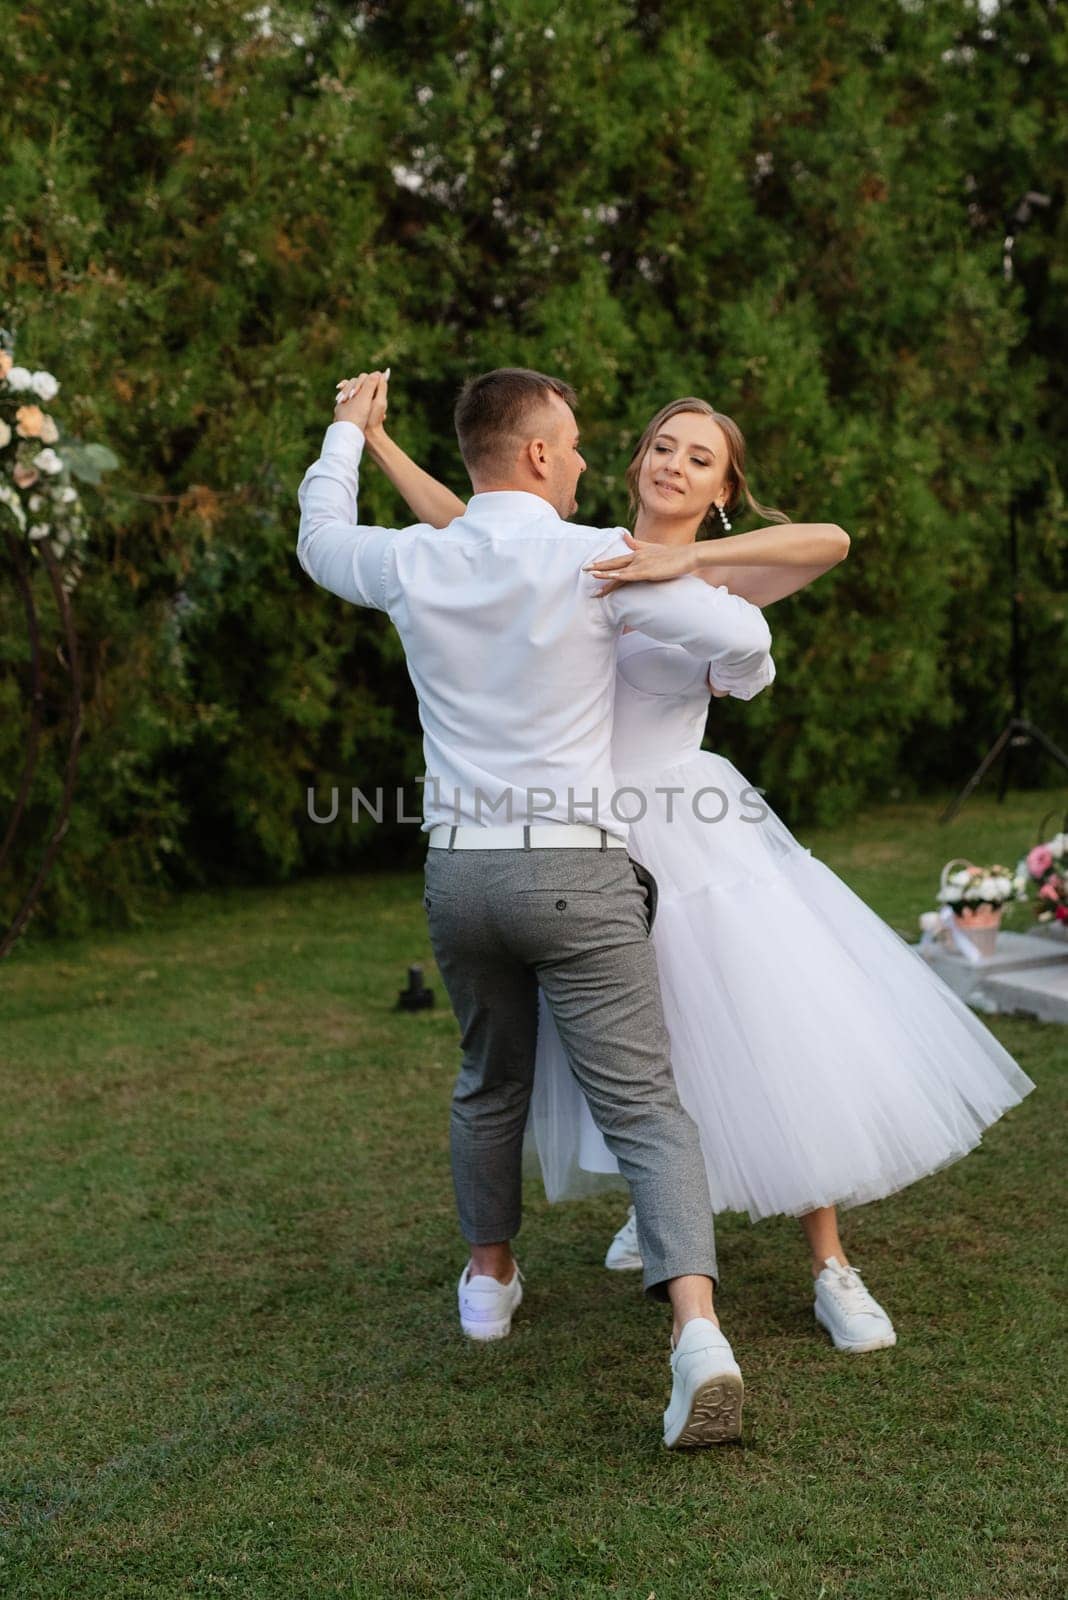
649	885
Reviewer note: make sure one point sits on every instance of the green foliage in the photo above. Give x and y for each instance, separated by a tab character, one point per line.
796	211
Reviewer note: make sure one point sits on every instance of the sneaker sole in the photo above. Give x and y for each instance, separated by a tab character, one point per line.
483	1332
715	1414
861	1346
628	1264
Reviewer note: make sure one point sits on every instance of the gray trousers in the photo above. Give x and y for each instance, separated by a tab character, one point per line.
577	922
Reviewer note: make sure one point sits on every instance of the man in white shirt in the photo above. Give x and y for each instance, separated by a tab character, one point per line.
512	654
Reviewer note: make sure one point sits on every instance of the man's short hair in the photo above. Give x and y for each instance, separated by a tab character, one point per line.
495	411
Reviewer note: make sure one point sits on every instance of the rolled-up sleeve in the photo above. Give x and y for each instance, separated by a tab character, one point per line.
740	681
332	547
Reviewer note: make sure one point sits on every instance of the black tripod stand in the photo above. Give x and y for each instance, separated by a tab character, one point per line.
1019	731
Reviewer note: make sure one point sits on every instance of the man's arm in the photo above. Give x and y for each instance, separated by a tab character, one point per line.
740	682
721	628
333	549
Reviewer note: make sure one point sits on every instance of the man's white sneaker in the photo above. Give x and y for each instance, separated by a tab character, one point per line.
623	1253
486	1305
854	1320
706	1395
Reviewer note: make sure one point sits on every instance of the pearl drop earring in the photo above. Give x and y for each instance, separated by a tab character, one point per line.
723	519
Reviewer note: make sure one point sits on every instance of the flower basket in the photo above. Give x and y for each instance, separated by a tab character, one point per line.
972	900
981	926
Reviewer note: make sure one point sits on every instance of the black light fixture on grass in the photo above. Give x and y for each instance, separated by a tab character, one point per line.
417	997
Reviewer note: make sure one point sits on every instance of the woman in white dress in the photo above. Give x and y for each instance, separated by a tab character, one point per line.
822	1060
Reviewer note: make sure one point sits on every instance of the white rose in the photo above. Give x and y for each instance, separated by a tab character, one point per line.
961	878
988	889
40	530
5	433
13	501
67	496
929	921
973	895
35	502
20	378
44	386
48	461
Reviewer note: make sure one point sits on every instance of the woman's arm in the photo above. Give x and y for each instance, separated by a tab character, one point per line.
764	585
770	563
428	499
762	566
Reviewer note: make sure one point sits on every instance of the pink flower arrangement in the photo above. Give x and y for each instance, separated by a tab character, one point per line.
1039	861
1045	868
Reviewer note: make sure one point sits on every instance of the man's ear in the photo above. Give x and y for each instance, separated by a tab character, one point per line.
537	454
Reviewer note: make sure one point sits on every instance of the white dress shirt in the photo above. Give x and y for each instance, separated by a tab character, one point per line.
512	654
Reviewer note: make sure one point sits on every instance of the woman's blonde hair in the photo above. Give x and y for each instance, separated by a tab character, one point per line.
738	490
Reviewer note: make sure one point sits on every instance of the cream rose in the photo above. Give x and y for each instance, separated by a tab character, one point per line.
28	421
5	433
6	363
48	462
49	432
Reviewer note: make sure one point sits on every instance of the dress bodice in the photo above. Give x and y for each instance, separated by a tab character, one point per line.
661	703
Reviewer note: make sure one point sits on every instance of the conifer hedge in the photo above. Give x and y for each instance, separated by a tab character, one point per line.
211	213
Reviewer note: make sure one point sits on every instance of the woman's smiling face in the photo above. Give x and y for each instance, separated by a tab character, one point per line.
685	468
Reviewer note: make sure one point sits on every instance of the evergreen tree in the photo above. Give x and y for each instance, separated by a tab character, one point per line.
792	209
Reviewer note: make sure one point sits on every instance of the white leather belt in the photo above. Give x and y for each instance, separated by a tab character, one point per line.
522	836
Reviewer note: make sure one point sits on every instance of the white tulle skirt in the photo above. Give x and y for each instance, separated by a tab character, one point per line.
822	1059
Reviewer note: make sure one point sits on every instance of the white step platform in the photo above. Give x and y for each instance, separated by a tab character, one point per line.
1027	975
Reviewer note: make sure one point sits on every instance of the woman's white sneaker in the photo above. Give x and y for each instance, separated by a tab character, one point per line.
486	1305
855	1321
623	1253
706	1392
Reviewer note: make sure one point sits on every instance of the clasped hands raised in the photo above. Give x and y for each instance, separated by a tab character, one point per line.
363	400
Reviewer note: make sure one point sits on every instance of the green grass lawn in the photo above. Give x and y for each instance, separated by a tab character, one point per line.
230	1359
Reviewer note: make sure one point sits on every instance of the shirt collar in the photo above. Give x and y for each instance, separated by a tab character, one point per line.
514	503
